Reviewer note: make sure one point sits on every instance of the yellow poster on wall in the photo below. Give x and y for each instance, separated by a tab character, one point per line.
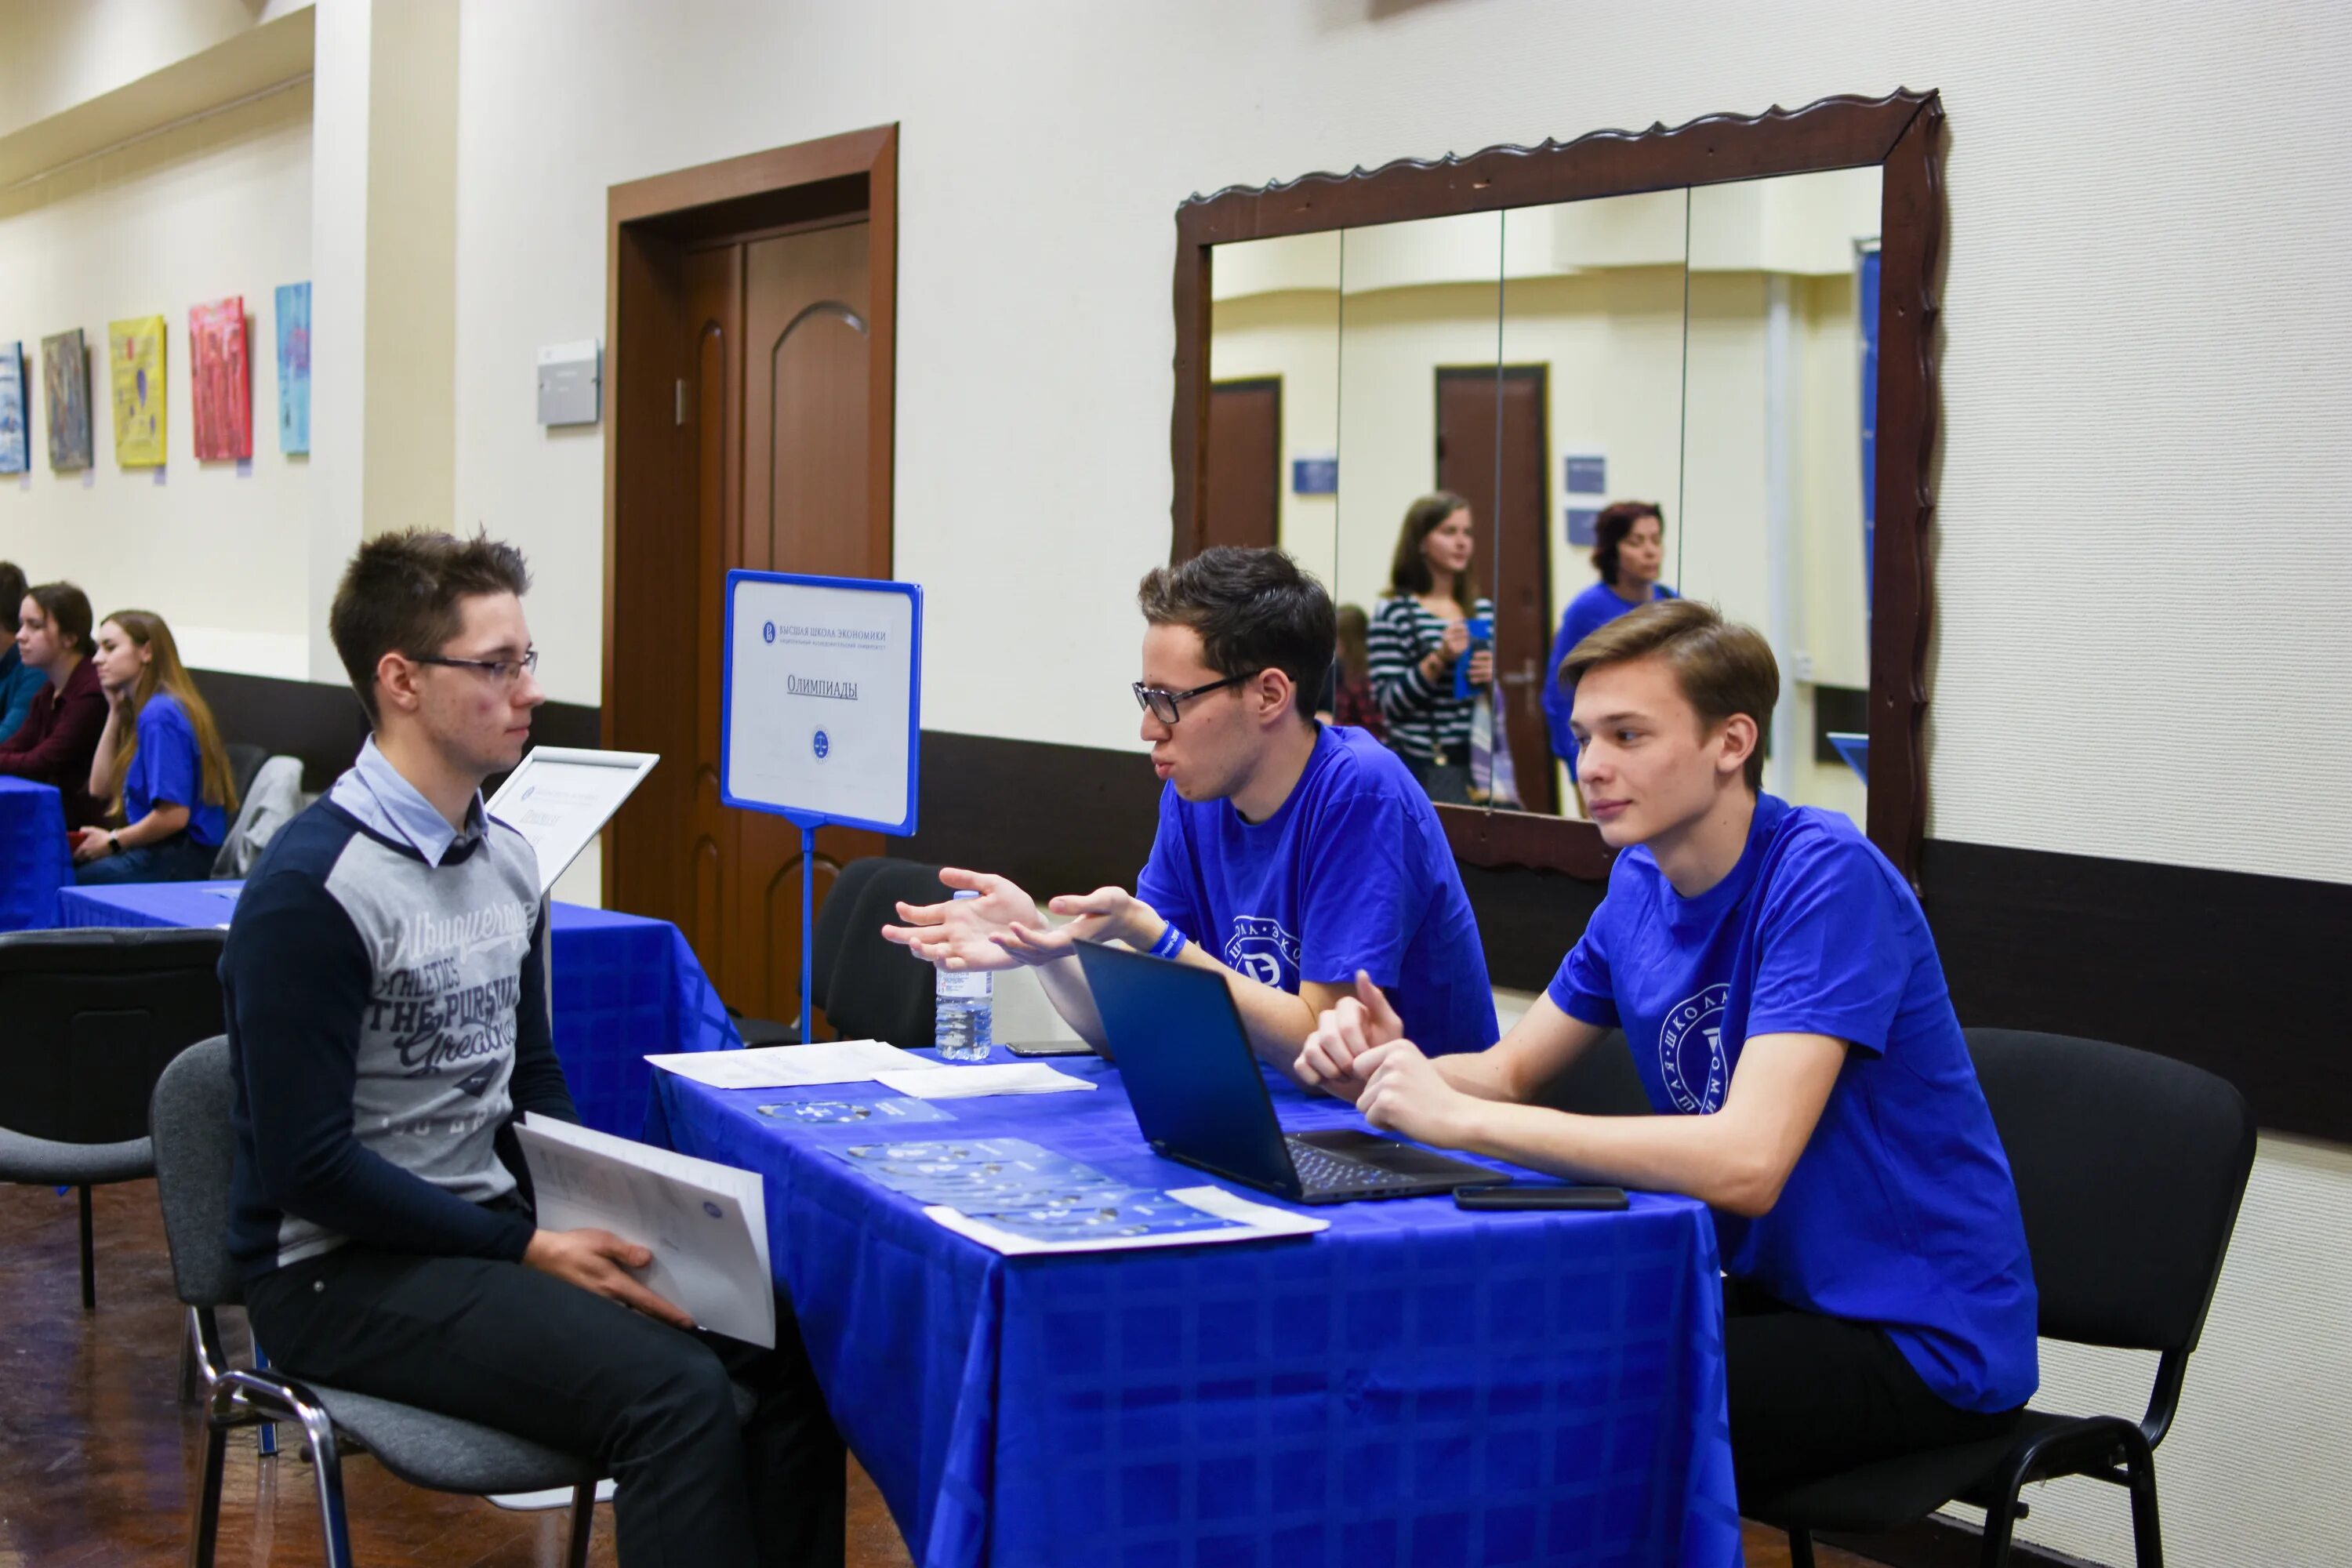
135	350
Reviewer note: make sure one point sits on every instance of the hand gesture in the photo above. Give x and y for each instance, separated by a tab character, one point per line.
961	933
1343	1036
600	1261
1403	1092
1455	640
1482	667
90	843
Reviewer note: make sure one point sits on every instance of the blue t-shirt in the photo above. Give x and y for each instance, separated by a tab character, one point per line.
1587	613
1351	871
1901	1211
168	770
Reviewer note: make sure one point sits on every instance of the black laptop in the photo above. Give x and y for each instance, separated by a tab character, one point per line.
1198	1095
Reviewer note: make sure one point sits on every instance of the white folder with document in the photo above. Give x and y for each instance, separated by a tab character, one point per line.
706	1223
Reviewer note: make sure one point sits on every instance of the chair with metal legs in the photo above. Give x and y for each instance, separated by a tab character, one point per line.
194	1154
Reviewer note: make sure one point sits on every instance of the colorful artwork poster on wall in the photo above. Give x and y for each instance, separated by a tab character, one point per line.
15	447
65	389
223	380
134	351
294	367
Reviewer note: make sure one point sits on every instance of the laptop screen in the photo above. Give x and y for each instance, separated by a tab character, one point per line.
1187	1064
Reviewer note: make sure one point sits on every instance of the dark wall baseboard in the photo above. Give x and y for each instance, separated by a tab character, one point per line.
1934	1543
324	725
2234	971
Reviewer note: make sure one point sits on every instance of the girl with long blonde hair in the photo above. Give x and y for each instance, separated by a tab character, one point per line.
159	762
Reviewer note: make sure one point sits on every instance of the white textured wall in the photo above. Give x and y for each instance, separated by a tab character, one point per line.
221	206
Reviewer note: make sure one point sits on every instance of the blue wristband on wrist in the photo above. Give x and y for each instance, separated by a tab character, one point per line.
1171	942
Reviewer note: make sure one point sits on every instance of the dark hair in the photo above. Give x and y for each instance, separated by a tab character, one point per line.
1354	641
1722	666
1254	610
400	594
1609	529
12	593
1409	573
68	608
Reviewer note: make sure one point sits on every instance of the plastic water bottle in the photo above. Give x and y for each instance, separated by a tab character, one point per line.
963	1028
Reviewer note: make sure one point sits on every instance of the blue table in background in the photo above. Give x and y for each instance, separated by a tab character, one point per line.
625	987
1418	1384
35	858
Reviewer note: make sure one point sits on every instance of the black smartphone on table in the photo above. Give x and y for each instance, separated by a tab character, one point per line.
1537	1195
1049	1048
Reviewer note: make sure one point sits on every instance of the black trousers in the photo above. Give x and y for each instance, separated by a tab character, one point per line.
1811	1395
525	1353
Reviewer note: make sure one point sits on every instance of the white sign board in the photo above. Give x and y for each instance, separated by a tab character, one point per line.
821	717
559	798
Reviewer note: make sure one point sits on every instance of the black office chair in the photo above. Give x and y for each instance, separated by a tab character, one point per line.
2129	1171
879	991
93	1016
833	924
243	761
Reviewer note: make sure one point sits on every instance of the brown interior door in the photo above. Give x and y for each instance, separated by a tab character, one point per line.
1475	412
1244	491
756	457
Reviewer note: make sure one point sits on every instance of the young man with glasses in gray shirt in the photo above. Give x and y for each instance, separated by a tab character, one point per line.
387	991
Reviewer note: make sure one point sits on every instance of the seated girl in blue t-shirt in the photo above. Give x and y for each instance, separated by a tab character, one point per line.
160	762
1782	998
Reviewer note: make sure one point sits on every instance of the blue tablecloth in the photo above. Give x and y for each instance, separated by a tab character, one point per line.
624	985
1417	1385
34	858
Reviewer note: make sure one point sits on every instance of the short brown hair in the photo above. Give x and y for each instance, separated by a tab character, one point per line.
1609	529
400	594
1722	666
1254	610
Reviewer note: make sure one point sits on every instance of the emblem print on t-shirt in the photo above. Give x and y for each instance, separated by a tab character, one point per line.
1261	949
1690	1051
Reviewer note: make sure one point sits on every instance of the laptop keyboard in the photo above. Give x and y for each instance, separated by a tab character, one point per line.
1320	1171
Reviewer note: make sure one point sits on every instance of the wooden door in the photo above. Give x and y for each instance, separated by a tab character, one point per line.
1475	413
746	425
1244	488
808	352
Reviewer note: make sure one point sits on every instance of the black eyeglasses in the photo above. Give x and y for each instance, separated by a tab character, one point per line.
505	672
1164	704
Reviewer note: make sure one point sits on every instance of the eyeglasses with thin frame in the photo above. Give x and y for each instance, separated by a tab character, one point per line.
505	672
1165	705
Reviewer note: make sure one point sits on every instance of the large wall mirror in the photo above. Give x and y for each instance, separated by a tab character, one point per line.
1530	389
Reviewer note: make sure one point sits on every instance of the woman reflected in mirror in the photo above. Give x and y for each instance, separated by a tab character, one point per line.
1628	550
1420	633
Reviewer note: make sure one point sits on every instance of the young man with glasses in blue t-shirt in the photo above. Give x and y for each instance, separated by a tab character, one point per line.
1781	994
1291	855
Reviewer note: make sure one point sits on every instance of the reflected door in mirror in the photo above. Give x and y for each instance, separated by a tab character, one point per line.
1244	462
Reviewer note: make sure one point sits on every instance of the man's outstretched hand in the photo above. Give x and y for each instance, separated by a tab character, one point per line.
1002	927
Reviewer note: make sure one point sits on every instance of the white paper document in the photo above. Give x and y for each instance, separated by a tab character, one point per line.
559	798
706	1223
969	1082
1246	1220
795	1067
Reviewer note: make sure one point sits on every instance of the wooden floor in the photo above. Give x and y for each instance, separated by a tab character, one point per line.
97	1457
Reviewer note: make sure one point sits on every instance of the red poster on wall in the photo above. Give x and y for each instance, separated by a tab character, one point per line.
223	380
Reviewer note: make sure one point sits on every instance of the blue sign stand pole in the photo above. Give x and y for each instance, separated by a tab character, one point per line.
808	823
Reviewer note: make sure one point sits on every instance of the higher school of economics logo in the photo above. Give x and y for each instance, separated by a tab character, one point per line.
1261	949
1690	1051
822	744
767	631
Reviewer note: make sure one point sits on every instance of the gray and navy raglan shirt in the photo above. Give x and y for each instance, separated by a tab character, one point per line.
387	991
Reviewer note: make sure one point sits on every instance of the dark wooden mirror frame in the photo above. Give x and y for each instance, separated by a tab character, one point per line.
1900	133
